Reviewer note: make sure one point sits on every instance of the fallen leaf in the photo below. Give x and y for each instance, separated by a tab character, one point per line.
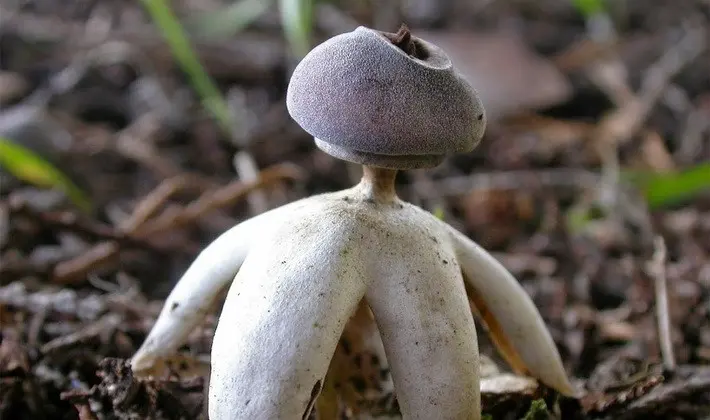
508	75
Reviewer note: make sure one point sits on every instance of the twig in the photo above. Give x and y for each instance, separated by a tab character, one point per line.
137	226
152	202
70	221
222	197
106	323
247	171
657	270
620	125
102	253
77	268
685	397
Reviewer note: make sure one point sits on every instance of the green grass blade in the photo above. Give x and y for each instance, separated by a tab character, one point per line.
297	22
537	411
175	36
31	168
666	189
232	19
589	8
439	212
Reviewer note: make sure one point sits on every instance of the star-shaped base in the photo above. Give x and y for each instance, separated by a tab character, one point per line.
299	273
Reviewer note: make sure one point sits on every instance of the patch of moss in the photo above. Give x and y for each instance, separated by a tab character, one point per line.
537	411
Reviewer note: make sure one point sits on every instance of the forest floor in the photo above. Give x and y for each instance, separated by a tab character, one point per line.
583	187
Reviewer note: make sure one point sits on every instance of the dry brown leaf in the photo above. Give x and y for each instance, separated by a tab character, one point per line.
508	75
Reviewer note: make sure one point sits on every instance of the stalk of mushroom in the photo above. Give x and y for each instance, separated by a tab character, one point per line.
296	274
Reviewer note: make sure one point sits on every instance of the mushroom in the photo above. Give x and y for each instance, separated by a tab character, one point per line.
387	101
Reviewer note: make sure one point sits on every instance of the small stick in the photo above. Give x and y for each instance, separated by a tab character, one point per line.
152	202
139	228
657	269
78	267
69	221
106	323
619	126
222	197
247	170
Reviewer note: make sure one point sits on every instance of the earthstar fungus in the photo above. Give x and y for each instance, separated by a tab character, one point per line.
296	274
368	101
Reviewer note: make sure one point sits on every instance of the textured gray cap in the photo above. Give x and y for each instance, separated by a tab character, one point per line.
366	100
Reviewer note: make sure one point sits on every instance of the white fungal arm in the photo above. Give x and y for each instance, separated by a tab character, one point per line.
420	306
514	322
195	293
283	317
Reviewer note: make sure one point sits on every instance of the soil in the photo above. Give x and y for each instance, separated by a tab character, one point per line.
92	87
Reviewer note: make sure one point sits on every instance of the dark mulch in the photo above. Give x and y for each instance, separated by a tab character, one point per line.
92	88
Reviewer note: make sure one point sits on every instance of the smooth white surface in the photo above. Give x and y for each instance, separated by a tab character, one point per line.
279	328
195	293
286	311
303	268
418	298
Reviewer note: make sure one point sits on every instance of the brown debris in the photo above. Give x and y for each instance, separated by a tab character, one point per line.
684	394
122	396
93	86
138	227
